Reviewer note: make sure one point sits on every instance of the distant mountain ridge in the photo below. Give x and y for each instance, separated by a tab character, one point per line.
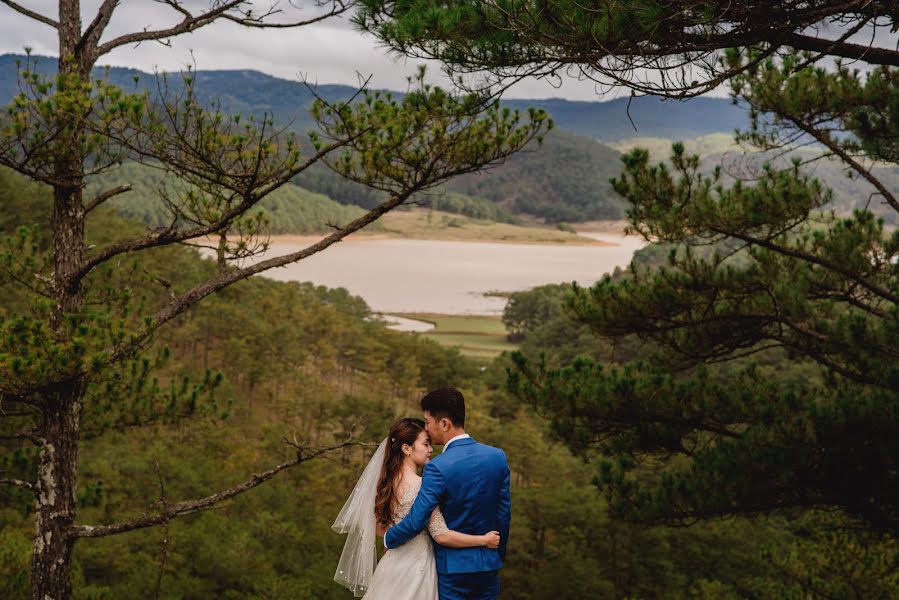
566	180
253	92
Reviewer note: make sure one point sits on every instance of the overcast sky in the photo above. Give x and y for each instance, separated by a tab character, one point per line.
327	52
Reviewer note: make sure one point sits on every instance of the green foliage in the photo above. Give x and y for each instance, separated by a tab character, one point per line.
14	560
756	276
527	311
79	346
218	168
835	564
301	360
428	134
307	361
611	42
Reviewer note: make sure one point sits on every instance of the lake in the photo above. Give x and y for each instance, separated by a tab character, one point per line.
403	275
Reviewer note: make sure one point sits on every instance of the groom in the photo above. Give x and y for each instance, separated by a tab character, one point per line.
470	483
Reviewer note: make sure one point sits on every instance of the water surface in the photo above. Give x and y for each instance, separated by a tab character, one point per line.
400	275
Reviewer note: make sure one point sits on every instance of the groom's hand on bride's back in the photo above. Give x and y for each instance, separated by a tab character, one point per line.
491	539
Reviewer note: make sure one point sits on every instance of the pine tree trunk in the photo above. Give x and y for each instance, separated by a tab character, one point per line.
52	553
51	564
51	560
51	577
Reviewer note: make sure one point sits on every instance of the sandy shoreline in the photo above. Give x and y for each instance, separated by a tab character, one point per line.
586	232
367	237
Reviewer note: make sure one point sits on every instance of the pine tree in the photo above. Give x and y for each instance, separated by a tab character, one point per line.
770	362
73	337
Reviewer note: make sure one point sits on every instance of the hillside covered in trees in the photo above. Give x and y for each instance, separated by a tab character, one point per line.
299	362
308	363
718	420
565	179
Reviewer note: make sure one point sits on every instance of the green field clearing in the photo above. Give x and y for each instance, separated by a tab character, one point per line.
660	148
476	336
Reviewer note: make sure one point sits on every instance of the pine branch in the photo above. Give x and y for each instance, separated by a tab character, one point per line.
190	23
31	14
870	54
193	296
825	139
101	198
18	482
179	509
872	287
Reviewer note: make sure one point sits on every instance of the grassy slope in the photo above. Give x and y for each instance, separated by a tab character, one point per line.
474	335
714	143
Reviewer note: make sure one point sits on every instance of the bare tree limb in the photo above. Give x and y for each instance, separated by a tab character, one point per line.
870	54
192	506
18	482
188	24
91	36
338	8
229	11
101	198
31	14
191	297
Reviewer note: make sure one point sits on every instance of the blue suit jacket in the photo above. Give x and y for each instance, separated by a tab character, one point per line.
470	483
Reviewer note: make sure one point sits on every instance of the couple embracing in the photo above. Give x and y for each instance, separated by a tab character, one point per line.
446	531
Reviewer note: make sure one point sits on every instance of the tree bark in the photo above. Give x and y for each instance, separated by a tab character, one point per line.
52	552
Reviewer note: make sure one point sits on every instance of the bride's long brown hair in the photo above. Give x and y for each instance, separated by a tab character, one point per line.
403	431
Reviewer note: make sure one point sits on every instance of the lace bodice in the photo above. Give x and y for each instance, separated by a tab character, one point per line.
406	499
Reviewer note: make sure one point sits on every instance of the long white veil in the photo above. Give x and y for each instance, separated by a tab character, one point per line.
357	519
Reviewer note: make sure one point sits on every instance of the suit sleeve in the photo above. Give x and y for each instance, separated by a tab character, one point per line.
432	488
504	510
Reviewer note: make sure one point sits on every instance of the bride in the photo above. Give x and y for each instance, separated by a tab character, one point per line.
383	495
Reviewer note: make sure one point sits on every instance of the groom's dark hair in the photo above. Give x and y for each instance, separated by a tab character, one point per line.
445	403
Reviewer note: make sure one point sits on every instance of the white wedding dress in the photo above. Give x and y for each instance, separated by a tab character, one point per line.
408	572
